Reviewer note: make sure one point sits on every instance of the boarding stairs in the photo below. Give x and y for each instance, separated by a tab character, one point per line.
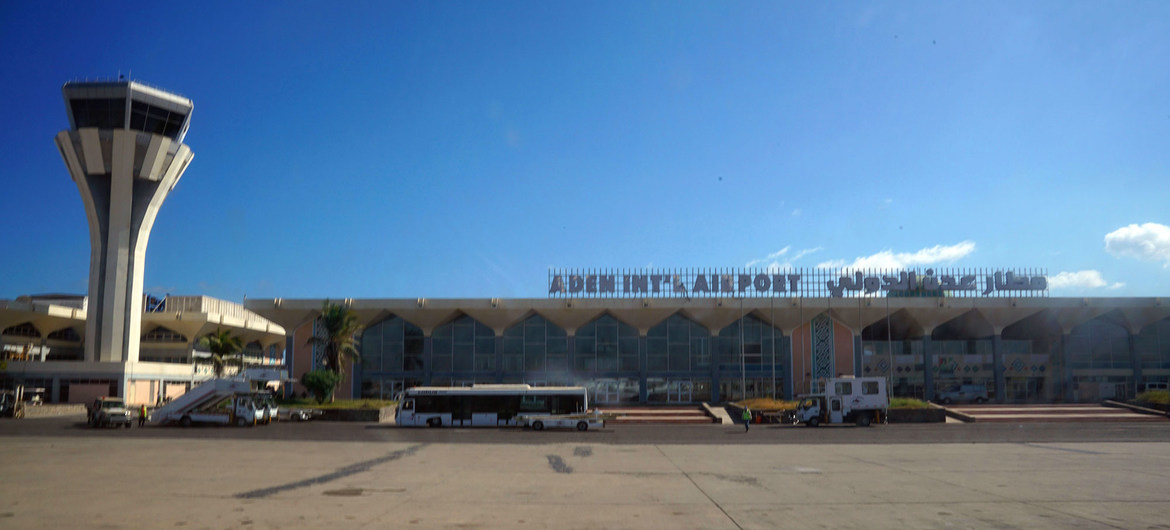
206	393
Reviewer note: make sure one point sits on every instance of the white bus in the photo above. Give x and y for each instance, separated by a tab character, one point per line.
489	405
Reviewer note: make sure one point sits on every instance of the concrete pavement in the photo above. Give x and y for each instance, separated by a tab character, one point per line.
108	481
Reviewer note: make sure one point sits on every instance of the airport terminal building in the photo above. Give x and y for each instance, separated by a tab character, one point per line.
692	336
630	336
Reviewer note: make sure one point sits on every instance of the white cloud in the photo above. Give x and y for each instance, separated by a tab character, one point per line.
1089	279
780	259
771	256
887	259
796	212
1146	242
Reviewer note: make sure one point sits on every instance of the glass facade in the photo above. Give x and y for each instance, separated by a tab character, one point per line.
679	360
606	345
539	349
1099	343
678	345
464	346
392	345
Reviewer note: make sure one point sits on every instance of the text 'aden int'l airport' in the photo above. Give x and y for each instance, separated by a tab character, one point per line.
628	335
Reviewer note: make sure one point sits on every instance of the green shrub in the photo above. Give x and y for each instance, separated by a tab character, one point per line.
1161	397
321	383
908	403
765	404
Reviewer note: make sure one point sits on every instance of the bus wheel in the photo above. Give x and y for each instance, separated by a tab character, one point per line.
240	422
863	419
538	425
582	426
185	421
434	422
813	422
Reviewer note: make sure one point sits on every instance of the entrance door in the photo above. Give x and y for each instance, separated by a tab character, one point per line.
835	410
679	392
391	388
1033	389
607	392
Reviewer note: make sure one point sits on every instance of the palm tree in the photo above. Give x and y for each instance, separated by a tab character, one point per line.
221	344
341	327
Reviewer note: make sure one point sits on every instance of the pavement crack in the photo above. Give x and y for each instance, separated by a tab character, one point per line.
352	469
700	488
558	464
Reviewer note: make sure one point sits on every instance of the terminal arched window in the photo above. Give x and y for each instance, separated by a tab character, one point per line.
22	330
463	345
678	344
392	345
606	345
536	345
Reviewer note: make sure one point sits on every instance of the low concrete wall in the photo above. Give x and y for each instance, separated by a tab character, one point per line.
1156	409
367	414
54	410
720	414
931	415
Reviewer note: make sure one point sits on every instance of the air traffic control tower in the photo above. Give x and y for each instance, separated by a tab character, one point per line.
124	149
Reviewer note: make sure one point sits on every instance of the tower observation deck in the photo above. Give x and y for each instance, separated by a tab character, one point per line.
124	150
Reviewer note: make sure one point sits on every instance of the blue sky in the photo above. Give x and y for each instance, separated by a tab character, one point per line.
461	149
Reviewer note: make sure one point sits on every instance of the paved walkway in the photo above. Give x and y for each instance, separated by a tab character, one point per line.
660	415
1051	413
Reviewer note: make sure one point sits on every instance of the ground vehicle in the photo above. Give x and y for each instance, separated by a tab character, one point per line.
961	393
107	411
266	408
214	401
302	414
581	422
239	409
488	405
860	400
10	404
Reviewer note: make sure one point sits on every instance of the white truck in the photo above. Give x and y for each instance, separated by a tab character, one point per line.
859	400
223	401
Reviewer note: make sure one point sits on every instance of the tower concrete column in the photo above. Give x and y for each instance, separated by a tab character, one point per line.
124	151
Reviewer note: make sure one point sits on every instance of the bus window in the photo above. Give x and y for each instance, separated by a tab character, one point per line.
482	404
567	404
408	404
534	404
509	406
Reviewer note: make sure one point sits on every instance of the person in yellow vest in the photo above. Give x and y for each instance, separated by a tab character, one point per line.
142	415
747	419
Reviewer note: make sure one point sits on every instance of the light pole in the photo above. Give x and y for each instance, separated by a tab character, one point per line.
742	367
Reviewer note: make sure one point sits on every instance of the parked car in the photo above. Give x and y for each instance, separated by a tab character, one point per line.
302	414
107	411
963	394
